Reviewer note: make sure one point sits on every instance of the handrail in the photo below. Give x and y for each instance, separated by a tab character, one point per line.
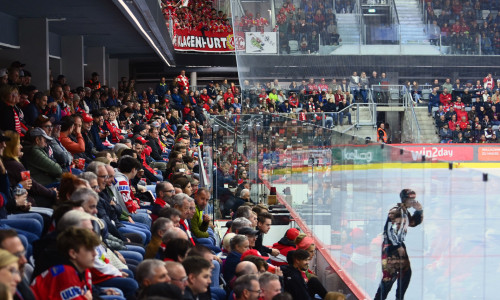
361	22
393	8
409	105
395	19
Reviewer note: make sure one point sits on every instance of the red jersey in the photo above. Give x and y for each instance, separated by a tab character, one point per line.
452	125
323	87
312	87
445	99
183	82
457	106
62	282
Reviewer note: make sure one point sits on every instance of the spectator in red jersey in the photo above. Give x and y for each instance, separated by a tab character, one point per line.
183	81
445	98
71	279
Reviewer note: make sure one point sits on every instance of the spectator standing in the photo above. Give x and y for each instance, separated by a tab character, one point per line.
183	81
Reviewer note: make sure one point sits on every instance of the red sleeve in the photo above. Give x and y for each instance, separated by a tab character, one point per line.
71	146
127	196
61	283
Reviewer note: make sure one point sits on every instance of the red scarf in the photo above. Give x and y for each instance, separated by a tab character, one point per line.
188	231
16	120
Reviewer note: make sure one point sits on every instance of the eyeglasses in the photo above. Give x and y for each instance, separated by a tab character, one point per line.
183	279
170	191
14	271
103	176
95	187
20	254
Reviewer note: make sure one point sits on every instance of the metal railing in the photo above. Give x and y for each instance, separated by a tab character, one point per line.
358	11
411	117
395	19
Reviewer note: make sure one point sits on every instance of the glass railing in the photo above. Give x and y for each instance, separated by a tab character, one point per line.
339	189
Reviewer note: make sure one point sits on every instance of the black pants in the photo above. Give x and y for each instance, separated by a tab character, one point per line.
315	287
390	275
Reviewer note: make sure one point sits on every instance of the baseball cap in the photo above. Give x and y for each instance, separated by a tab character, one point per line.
39	132
254	253
292	234
87	118
141	140
248	231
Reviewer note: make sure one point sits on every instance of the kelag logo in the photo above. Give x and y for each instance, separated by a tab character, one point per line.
357	155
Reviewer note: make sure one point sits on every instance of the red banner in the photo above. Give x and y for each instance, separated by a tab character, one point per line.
490	153
435	153
193	40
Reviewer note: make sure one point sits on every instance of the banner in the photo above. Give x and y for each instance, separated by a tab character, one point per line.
489	153
357	155
261	42
193	40
436	153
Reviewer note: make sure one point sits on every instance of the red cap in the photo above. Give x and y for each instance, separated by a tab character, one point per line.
292	234
254	253
141	140
87	118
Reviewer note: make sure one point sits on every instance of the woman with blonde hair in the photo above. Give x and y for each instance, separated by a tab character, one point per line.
38	195
9	271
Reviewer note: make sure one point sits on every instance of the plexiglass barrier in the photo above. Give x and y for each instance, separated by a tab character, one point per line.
341	189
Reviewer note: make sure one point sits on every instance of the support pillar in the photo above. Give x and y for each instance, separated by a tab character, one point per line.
72	60
193	81
34	50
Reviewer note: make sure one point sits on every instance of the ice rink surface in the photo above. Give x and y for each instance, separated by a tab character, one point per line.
454	253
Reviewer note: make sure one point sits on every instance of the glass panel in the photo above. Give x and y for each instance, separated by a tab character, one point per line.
341	190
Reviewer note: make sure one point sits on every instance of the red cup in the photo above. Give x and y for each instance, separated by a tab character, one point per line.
25	175
81	163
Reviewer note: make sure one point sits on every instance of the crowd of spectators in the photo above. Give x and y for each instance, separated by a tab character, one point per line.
311	24
464	26
100	199
197	15
466	113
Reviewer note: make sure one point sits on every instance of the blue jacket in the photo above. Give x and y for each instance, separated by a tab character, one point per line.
161	90
177	100
232	260
111	102
94	135
434	98
31	113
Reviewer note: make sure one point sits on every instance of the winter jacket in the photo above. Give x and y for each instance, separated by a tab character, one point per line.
198	226
42	168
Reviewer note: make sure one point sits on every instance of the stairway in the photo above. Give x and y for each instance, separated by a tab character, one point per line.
348	28
410	20
428	131
362	131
